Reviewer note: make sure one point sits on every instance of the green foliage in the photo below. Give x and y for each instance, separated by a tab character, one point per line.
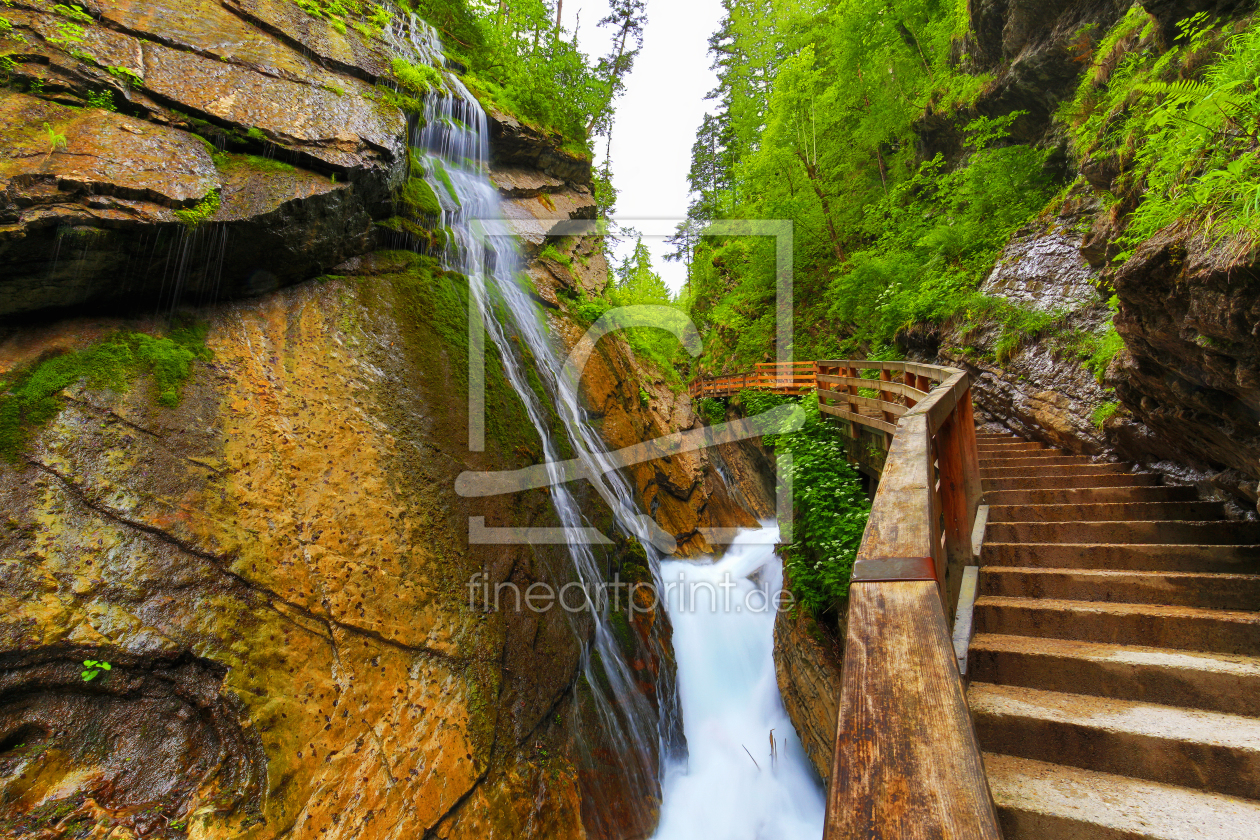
369	19
1106	349
103	99
817	124
1104	413
202	212
1182	122
830	510
256	133
550	252
418	78
56	140
92	668
129	77
711	410
28	398
644	398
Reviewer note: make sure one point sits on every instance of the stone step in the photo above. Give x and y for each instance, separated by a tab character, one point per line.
1084	468
1090	495
1073	480
1189	748
1180	589
1107	511
1126	531
1151	625
1035	462
1230	559
1041	801
991	447
1211	681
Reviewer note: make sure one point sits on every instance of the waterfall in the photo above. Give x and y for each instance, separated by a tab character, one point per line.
451	141
730	786
733	785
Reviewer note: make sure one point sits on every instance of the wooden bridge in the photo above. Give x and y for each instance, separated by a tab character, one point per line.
1108	629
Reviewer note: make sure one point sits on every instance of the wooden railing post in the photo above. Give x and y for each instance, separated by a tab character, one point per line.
956	509
854	428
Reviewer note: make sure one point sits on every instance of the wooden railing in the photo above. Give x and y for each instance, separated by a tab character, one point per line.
907	764
784	378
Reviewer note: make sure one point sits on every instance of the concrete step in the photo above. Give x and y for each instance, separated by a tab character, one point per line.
1180	589
1152	625
1035	462
1211	681
1055	470
1107	512
1230	559
1126	531
1068	481
991	447
1185	747
1090	495
1041	801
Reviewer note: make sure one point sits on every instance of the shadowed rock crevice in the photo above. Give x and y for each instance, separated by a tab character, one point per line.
143	745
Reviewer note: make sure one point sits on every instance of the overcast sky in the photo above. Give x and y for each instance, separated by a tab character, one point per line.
658	115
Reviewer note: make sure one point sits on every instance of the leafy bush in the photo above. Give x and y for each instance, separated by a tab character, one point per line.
711	410
1108	346
829	508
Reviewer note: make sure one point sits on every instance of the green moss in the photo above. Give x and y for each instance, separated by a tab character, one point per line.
418	78
263	163
419	197
29	397
440	172
550	252
203	212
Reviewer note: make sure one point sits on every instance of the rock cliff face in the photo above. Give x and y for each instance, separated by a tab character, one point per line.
277	568
808	662
1180	398
282	559
249	114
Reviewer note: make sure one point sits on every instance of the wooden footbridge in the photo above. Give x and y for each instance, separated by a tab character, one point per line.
1102	678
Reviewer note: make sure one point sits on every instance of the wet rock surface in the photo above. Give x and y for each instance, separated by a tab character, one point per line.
808	662
274	130
293	524
147	742
1190	318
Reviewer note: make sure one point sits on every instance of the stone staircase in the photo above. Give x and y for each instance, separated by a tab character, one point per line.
1115	667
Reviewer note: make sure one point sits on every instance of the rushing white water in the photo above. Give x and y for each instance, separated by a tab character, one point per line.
731	786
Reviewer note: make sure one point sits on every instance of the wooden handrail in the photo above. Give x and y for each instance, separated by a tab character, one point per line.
907	764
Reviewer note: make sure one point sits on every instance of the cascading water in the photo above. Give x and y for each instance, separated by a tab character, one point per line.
729	695
451	141
733	784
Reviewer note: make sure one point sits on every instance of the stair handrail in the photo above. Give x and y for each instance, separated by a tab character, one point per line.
907	763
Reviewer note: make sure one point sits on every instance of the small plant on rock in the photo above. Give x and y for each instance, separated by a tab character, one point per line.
92	669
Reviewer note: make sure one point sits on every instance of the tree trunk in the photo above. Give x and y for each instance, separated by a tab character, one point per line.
812	171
